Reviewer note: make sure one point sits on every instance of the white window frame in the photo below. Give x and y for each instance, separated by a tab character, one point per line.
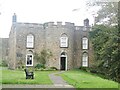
64	42
30	41
85	60
27	59
84	43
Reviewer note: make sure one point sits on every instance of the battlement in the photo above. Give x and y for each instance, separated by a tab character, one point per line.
58	24
50	24
31	25
79	27
46	25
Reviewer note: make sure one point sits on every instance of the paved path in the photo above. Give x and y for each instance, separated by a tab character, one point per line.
32	86
58	83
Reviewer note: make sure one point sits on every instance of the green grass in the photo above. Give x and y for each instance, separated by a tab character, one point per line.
18	77
81	79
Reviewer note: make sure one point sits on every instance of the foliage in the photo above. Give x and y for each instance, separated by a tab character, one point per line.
18	77
20	64
3	63
38	66
105	43
43	56
41	67
108	12
82	79
53	68
84	68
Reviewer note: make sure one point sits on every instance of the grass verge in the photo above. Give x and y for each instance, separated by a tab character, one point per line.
81	79
18	77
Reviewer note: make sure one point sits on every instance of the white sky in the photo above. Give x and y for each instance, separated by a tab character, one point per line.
41	11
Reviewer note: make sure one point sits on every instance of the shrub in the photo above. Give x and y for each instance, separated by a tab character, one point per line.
39	66
4	63
84	69
53	68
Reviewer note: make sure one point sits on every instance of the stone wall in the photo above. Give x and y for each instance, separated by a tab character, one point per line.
47	36
4	49
12	48
53	34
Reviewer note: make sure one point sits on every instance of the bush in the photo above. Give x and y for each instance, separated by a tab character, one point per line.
39	66
45	69
53	68
4	64
84	69
93	71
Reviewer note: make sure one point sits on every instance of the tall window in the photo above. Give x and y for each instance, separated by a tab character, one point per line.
29	60
64	41
85	60
30	41
84	43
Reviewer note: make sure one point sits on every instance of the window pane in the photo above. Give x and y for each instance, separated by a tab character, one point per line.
64	42
30	41
85	43
29	45
29	60
85	60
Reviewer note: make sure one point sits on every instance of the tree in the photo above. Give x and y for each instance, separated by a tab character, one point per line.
106	51
43	56
105	39
108	12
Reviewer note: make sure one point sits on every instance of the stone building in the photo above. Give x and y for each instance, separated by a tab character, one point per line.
69	44
4	50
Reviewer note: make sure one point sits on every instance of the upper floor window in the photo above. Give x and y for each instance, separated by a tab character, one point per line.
84	43
64	41
30	41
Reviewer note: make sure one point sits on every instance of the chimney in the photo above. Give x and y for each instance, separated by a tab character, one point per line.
14	19
86	22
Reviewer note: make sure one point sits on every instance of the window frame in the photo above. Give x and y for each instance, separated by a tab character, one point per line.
27	59
64	43
30	41
85	43
85	60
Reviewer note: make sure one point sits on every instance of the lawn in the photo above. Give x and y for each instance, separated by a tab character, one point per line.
18	77
82	79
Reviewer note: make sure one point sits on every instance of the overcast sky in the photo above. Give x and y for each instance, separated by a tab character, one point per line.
41	11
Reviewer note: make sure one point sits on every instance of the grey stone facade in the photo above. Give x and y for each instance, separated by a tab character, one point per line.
47	36
4	48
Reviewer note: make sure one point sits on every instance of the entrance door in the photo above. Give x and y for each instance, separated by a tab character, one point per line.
63	63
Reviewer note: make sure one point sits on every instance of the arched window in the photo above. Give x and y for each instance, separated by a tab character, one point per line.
30	41
64	41
29	58
84	43
85	60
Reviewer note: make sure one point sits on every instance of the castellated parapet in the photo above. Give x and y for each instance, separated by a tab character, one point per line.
46	25
49	36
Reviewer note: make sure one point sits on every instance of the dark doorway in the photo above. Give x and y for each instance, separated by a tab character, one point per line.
63	63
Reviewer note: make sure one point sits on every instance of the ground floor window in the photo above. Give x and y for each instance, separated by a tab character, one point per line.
85	60
29	60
